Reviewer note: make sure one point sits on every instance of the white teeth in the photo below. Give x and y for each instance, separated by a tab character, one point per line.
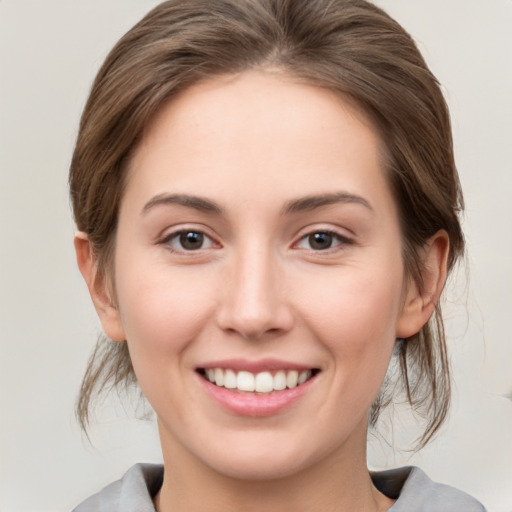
230	380
291	379
303	377
280	380
245	381
262	382
219	377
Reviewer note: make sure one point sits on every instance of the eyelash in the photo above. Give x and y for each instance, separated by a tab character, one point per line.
177	235
336	237
332	236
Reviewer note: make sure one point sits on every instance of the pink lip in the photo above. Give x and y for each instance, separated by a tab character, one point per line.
262	365
254	405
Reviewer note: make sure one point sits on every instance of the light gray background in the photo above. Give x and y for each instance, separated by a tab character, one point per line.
49	53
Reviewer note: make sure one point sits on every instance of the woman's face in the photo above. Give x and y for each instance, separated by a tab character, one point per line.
259	246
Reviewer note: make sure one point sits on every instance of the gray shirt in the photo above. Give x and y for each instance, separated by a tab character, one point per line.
410	486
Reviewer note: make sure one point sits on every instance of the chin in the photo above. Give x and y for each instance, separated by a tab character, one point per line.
258	468
260	460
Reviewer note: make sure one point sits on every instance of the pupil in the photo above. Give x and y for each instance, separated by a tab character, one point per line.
191	240
320	241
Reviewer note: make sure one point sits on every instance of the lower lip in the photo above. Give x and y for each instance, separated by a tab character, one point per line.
255	405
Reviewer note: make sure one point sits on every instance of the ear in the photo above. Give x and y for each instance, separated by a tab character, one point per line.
101	295
419	304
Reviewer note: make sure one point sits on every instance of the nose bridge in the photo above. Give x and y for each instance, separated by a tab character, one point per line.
253	300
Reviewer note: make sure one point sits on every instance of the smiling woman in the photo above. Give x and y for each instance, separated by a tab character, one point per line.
267	207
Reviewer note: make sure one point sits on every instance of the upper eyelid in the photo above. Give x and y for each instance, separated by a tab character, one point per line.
343	233
334	234
170	232
168	236
343	243
167	242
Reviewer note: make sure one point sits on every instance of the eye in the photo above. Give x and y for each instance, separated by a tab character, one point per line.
188	240
321	241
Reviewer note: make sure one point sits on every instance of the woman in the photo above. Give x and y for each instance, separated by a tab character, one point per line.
267	206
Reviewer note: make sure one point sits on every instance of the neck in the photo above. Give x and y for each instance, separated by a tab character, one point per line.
339	482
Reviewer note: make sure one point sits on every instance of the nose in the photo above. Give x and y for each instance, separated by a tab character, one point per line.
254	300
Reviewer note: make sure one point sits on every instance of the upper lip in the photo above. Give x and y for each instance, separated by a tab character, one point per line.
260	365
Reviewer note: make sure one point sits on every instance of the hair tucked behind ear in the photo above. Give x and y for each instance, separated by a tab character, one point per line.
349	46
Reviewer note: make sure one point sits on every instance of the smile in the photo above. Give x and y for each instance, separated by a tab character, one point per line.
264	382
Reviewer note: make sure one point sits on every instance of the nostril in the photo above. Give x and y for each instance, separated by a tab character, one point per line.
255	306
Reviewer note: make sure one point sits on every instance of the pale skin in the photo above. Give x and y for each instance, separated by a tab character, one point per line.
294	254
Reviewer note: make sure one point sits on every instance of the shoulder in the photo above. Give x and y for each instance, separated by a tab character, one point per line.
416	492
133	493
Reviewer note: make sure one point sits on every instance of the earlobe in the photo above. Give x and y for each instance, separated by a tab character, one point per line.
419	302
100	293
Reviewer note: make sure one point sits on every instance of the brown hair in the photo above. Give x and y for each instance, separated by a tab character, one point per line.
349	46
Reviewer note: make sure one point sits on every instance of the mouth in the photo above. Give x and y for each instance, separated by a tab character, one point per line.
261	383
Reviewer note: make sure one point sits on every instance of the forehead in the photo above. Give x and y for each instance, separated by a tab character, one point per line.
257	131
260	98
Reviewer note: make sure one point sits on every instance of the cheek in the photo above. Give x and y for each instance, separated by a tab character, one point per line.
356	322
161	312
357	308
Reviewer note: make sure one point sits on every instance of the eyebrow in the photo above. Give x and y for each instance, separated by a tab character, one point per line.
197	203
295	206
318	201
